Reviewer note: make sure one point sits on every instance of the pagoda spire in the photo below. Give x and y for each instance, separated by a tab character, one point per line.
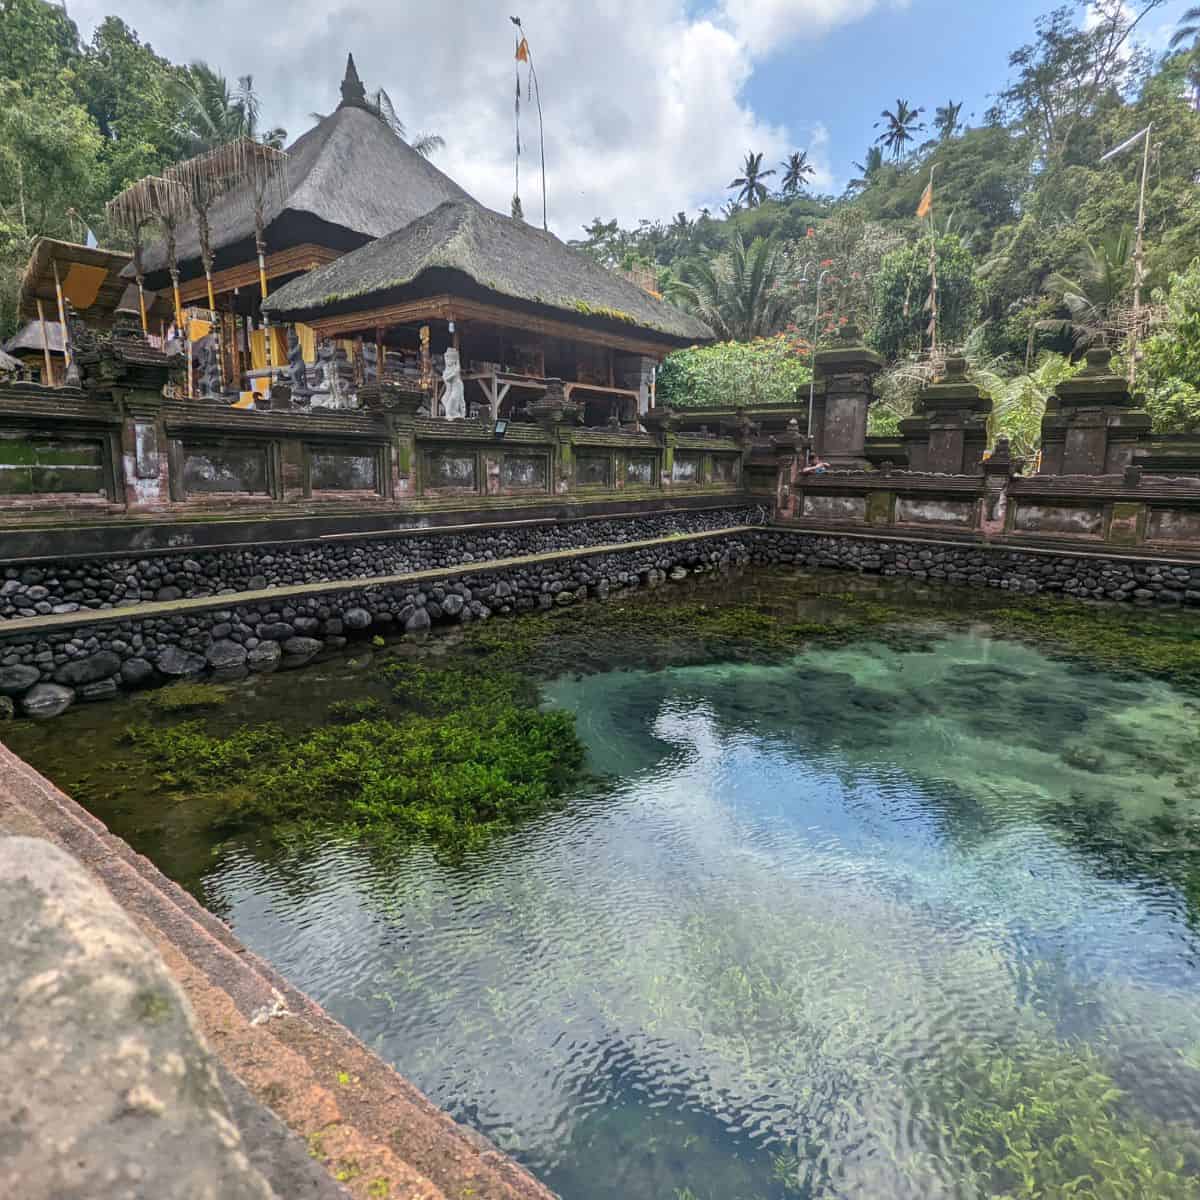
354	95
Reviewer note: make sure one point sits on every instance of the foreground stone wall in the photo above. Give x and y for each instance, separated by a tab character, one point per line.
35	588
1085	576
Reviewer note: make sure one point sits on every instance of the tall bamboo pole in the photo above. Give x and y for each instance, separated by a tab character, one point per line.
45	344
62	319
1138	258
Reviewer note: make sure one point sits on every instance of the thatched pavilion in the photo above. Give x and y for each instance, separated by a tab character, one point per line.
518	305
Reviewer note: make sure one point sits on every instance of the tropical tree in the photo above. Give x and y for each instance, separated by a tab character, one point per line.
424	143
212	114
739	295
1019	401
870	169
945	119
795	170
1103	274
900	126
749	183
1188	31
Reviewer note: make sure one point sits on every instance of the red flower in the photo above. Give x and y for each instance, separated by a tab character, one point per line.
827	262
810	232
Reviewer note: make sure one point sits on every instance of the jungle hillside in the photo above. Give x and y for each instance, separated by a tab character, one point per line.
1030	236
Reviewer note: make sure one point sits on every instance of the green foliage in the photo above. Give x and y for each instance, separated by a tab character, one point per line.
773	370
466	753
1170	368
741	295
1044	1120
186	697
902	288
1019	401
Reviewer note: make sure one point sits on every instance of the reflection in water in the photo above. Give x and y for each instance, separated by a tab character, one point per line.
743	964
824	926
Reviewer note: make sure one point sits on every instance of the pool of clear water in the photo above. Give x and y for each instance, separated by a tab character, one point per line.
876	918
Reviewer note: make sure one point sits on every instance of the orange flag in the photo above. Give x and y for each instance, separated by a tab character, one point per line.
926	205
522	51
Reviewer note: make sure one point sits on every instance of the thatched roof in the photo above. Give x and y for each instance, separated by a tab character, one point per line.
8	364
349	171
493	252
28	338
90	277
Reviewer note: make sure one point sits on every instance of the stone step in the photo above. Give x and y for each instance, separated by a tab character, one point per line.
366	1123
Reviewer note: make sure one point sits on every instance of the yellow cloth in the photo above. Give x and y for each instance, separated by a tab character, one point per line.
198	329
258	348
82	284
307	337
245	400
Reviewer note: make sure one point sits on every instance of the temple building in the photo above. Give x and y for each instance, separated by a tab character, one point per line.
348	180
516	305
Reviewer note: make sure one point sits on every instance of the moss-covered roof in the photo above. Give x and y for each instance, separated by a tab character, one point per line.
496	253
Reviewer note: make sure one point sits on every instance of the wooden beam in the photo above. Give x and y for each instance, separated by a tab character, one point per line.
445	308
45	344
283	262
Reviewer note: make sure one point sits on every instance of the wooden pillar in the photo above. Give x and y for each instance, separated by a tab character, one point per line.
45	345
62	319
380	354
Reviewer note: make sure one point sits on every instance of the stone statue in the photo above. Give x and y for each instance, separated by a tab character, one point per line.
454	405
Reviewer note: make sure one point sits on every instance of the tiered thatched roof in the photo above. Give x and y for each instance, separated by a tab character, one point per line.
349	179
490	252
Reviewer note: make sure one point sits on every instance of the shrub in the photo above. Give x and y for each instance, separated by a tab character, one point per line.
771	370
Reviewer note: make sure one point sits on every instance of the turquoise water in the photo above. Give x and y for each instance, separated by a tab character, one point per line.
860	922
805	889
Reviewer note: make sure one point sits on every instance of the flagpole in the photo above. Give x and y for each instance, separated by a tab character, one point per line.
1139	243
1138	248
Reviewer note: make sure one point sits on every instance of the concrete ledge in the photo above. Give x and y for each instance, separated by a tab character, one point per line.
286	1051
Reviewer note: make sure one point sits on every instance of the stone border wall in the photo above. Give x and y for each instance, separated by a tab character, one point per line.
45	670
49	663
37	588
1082	574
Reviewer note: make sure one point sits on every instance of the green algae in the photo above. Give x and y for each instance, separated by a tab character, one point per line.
459	755
187	697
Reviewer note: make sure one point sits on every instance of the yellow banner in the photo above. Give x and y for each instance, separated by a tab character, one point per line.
926	205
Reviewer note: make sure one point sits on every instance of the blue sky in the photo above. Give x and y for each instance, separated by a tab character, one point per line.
649	105
927	52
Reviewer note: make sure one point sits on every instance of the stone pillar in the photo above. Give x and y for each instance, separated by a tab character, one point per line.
845	387
555	414
949	434
636	372
1092	424
998	469
789	458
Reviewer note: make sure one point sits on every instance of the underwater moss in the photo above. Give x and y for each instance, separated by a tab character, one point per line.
188	697
462	754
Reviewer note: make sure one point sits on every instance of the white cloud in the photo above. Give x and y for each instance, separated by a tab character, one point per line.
766	25
644	104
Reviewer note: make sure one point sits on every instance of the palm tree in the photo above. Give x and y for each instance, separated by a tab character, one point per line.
1019	401
869	169
752	190
730	208
738	296
899	127
1104	271
1189	30
945	119
795	169
211	114
425	144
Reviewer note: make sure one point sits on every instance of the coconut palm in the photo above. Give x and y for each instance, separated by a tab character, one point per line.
1104	272
1188	31
1019	401
945	119
212	114
900	127
738	296
795	168
425	144
870	169
752	190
